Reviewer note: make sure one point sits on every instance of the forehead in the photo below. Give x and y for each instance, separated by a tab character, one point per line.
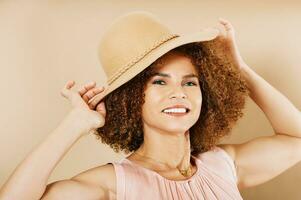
175	62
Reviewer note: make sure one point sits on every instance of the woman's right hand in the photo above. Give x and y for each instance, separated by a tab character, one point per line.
89	113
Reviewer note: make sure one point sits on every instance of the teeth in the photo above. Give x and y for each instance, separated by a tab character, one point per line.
175	110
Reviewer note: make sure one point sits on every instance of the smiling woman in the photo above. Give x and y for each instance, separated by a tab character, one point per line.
192	77
220	89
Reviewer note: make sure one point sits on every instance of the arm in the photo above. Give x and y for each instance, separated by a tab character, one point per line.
95	183
263	158
284	117
24	183
71	189
43	160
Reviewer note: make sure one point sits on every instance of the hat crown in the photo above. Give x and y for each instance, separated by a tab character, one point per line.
128	39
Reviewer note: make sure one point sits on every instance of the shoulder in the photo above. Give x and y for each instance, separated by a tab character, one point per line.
95	183
219	156
229	149
103	176
221	160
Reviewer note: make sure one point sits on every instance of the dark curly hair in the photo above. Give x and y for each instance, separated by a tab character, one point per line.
223	98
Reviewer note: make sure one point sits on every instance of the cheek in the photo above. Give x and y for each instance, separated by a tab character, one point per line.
197	98
152	97
151	102
199	101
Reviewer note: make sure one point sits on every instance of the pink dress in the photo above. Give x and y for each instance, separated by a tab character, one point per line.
215	178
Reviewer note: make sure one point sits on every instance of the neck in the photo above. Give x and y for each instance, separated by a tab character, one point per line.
168	150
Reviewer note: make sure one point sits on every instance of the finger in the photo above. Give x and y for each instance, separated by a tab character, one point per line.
227	24
86	88
100	108
93	102
91	93
224	21
65	92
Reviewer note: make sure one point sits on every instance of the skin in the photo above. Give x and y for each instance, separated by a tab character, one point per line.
166	138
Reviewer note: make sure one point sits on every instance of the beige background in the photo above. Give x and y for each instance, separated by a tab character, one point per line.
45	43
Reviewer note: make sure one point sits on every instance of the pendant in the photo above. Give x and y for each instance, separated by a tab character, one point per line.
185	172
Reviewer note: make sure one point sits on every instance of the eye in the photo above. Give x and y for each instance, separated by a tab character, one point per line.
157	81
193	83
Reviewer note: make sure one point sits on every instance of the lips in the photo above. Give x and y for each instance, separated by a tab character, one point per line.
176	114
178	106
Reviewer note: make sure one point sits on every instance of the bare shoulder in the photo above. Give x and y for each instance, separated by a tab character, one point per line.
103	176
95	183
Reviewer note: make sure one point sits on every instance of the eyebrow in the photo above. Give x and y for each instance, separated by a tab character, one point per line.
167	75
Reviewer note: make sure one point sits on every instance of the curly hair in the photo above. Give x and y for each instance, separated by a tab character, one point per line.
223	98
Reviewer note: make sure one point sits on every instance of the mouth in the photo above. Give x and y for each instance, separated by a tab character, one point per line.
177	114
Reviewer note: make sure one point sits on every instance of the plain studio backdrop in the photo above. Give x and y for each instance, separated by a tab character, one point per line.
45	43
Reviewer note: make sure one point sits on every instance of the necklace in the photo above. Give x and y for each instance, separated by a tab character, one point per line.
185	172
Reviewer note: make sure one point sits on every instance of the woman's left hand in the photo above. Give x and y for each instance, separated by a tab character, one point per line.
226	42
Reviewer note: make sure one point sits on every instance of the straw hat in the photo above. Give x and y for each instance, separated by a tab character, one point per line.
134	41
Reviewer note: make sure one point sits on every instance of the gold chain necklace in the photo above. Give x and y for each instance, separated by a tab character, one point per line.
185	172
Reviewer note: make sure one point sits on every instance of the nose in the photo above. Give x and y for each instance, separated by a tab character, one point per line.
177	92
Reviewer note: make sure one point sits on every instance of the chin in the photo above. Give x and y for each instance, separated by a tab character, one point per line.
178	123
177	128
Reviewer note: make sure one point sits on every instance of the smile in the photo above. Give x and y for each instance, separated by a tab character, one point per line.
175	114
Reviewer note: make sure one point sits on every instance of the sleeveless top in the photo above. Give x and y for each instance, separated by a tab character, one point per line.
215	178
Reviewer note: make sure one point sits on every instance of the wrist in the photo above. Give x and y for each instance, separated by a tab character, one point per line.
77	122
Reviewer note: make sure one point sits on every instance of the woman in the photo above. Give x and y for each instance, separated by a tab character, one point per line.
171	114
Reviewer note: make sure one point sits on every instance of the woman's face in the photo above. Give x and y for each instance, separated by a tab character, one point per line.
175	84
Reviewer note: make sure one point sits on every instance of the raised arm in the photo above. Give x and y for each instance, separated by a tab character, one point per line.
29	179
263	158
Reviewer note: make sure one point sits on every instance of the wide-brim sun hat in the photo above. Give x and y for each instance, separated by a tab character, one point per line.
134	41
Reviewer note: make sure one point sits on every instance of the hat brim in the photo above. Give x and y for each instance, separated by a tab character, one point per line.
200	36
